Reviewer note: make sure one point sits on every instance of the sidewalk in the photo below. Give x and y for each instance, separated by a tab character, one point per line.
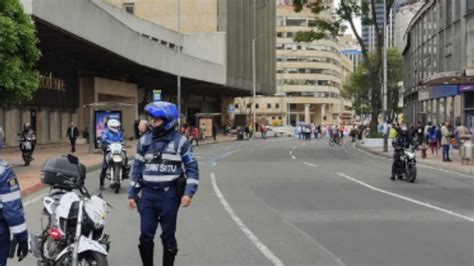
435	161
30	177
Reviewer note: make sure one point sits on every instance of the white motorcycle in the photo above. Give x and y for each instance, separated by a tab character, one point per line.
118	168
74	232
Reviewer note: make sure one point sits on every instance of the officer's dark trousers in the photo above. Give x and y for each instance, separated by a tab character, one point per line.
159	206
4	243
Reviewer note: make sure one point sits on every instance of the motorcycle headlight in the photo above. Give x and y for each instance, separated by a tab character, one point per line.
117	158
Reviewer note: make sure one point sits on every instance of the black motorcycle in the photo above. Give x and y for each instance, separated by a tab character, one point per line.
26	147
406	165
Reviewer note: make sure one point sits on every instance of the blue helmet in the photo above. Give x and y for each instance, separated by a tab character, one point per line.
166	111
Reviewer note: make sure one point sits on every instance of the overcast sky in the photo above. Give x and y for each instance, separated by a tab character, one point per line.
356	22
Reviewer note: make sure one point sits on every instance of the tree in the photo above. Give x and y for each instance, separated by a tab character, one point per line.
346	13
18	54
356	86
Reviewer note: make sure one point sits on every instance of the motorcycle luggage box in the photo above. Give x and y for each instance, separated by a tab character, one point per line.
59	172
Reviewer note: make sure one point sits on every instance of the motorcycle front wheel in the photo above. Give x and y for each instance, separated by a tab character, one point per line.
87	258
411	176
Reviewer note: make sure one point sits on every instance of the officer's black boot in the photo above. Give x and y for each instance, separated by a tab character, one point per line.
146	253
168	256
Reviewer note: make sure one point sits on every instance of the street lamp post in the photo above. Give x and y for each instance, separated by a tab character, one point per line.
385	44
178	63
254	78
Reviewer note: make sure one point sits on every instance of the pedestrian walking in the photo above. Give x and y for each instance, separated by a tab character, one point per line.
165	182
446	140
85	134
433	139
72	134
195	136
136	129
12	217
214	131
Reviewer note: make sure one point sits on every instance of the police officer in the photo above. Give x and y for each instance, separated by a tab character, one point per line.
158	173
112	134
401	142
12	220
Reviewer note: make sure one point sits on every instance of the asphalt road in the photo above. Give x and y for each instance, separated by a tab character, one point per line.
283	201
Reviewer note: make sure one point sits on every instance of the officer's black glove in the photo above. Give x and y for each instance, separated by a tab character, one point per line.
22	251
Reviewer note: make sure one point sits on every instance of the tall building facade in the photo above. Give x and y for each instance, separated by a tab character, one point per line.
350	47
309	76
120	56
439	63
404	12
369	36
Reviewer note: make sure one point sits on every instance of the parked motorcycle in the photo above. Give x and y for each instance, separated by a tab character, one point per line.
406	166
118	168
75	221
26	147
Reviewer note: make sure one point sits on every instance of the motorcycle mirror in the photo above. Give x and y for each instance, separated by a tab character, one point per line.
72	159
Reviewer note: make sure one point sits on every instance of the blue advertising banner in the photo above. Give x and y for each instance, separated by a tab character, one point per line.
440	91
101	118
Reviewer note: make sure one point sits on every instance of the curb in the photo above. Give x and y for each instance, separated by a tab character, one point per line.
39	186
376	153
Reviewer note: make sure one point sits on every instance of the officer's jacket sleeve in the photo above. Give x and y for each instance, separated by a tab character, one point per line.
10	202
137	168
191	168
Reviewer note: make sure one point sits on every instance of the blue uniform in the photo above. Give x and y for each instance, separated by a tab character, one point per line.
12	219
108	137
158	164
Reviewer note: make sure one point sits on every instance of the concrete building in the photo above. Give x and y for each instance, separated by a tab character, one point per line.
404	12
439	63
369	36
309	76
94	52
350	47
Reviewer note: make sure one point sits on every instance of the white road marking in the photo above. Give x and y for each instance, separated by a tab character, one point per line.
34	200
294	147
291	152
467	218
250	235
293	157
214	164
310	164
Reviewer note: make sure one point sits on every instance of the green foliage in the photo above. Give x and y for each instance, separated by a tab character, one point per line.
358	87
18	54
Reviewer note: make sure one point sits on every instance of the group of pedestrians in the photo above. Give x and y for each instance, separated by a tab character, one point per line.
438	136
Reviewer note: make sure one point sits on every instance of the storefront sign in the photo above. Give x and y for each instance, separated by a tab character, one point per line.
423	95
49	82
156	96
440	91
466	88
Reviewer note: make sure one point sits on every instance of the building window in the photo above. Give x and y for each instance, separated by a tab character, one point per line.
280	21
249	105
280	34
269	105
256	106
273	118
277	105
296	22
469	6
236	106
129	8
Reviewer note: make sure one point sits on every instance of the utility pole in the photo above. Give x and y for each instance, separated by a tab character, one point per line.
178	63
385	44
